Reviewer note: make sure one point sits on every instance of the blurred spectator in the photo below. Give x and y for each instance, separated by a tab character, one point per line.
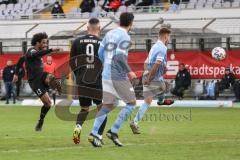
175	2
57	10
227	80
182	81
114	5
211	93
236	89
211	89
8	1
8	73
130	2
50	67
174	5
21	74
87	6
145	3
111	5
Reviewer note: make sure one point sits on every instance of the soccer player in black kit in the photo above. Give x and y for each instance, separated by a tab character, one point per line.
39	80
87	68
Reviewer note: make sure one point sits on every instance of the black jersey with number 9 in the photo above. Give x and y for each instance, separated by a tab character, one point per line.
84	60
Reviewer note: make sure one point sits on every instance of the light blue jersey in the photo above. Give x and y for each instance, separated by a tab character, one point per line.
113	52
211	89
158	52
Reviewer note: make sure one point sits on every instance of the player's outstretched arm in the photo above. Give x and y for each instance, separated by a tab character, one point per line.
34	53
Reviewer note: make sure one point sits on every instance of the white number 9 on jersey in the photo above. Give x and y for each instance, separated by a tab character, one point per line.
90	53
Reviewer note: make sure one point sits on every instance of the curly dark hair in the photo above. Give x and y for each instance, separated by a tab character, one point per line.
38	37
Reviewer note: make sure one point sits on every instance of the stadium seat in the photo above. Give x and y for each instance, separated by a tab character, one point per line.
110	14
86	15
226	4
202	1
40	6
235	4
193	1
199	5
10	6
122	9
2	7
17	7
217	5
21	1
210	1
51	1
96	12
25	6
182	6
191	6
130	8
208	5
29	1
198	88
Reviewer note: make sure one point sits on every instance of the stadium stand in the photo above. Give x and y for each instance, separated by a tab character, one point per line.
23	7
35	8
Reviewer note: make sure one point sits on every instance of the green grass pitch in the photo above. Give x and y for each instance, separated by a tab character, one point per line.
167	134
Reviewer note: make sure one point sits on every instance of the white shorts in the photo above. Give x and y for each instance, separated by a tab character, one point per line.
155	88
117	89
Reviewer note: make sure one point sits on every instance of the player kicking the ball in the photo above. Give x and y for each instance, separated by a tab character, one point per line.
153	81
39	80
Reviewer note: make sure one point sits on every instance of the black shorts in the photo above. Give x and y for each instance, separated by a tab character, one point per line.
86	101
38	85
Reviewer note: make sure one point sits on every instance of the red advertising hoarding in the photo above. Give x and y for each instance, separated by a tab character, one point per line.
200	64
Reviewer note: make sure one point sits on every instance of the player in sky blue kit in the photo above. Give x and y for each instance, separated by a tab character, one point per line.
116	76
153	81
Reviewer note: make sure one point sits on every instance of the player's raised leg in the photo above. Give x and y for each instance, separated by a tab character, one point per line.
153	81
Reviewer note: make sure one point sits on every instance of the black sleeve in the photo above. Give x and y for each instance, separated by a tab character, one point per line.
61	10
33	53
73	54
177	79
92	4
19	64
232	79
4	74
188	79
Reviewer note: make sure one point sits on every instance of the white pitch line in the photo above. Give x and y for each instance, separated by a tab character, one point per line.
111	145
